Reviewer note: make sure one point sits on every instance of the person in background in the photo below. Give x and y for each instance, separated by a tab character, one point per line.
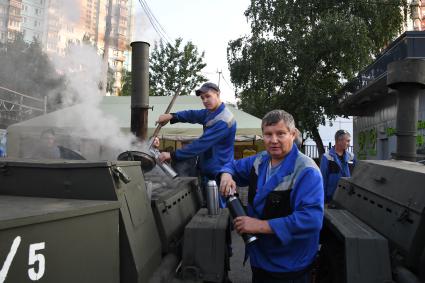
155	171
336	163
47	149
285	204
216	145
156	143
298	139
3	144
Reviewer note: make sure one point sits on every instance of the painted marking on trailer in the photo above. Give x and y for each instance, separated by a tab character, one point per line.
9	258
35	257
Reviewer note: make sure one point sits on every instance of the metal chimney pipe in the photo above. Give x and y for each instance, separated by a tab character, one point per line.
407	78
139	89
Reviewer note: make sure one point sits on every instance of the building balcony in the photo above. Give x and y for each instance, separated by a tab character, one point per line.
13	17
353	96
120	58
16	4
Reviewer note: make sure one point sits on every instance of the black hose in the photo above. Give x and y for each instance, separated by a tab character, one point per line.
403	275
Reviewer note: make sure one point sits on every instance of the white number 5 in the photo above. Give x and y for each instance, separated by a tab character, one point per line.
33	258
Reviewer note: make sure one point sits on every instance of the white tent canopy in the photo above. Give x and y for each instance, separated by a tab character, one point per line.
119	108
118	111
248	125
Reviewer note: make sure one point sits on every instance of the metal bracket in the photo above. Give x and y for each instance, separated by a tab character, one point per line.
120	174
404	216
4	169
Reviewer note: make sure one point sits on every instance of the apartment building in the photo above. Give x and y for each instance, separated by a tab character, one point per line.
107	24
32	19
10	19
417	14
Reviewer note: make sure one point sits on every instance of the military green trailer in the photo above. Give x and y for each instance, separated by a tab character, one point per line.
374	231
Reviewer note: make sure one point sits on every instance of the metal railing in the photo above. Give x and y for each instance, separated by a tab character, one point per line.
312	152
408	45
17	106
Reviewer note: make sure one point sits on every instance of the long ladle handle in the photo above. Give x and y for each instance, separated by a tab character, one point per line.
158	128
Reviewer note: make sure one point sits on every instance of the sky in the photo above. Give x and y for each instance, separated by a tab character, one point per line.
209	24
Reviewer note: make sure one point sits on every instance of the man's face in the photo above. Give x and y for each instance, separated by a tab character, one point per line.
278	140
49	139
211	100
156	142
343	142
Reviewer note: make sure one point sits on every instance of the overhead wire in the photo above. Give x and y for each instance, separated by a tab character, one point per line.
152	21
224	79
159	29
156	20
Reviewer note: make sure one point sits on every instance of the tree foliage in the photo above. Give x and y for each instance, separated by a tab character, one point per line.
300	52
175	67
126	83
26	69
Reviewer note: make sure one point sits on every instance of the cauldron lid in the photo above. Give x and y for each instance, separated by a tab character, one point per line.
69	154
147	161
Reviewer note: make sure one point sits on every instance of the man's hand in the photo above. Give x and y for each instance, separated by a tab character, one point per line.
227	185
246	224
163	119
164	156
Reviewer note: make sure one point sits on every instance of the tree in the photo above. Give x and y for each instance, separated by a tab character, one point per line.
175	68
26	69
300	52
126	83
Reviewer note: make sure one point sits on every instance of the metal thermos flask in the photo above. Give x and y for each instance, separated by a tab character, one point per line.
212	198
163	165
236	210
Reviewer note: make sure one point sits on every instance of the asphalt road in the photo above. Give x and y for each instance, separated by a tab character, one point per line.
239	273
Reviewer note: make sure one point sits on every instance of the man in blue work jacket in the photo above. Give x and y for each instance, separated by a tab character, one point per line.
216	145
336	163
285	204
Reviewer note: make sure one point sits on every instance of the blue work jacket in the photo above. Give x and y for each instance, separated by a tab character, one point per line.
296	220
332	169
215	146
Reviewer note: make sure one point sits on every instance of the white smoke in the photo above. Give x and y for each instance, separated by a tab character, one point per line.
143	30
69	9
82	67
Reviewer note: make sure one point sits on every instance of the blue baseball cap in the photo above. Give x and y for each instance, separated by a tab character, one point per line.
206	87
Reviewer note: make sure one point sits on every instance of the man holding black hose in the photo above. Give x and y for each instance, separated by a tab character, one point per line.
285	204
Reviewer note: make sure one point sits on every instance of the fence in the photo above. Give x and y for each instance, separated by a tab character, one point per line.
15	106
312	152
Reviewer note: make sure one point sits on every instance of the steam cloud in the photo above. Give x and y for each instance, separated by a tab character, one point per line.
83	69
143	28
70	9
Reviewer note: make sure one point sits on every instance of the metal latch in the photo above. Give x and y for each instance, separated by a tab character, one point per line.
4	169
405	215
119	173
